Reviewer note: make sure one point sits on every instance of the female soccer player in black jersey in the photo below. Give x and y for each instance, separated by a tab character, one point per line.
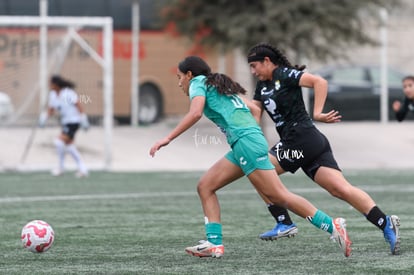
401	110
301	144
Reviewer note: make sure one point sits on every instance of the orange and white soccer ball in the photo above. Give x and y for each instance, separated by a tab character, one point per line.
37	236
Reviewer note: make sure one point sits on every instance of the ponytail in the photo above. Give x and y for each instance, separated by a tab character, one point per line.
224	84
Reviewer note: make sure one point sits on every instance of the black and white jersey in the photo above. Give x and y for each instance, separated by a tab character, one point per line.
282	99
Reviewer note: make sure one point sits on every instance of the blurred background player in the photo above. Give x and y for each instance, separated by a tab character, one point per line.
65	101
401	110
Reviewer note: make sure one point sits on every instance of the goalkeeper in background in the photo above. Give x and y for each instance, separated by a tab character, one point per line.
64	100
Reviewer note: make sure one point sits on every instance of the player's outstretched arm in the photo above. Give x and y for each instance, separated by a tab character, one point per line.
44	116
193	115
320	87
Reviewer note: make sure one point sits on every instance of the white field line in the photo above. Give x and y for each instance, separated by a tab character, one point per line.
378	189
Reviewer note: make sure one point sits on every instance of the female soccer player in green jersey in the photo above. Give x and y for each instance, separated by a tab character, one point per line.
217	96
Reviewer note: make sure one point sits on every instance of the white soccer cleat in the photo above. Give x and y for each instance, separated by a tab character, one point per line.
56	172
206	249
80	174
340	235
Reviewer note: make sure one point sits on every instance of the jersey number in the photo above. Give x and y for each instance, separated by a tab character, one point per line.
237	102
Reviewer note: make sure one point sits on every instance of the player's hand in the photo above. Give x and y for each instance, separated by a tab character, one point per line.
331	117
396	105
157	146
42	119
84	123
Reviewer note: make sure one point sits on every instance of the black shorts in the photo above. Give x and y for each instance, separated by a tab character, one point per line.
70	129
304	147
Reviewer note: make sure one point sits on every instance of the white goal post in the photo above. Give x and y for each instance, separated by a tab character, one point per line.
104	59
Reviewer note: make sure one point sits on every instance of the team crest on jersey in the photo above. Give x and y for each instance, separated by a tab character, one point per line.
242	161
277	85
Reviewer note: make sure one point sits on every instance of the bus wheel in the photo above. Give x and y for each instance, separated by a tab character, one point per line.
150	104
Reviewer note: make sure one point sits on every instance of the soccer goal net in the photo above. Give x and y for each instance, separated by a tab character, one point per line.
32	49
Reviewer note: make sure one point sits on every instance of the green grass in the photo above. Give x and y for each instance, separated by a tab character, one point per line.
140	223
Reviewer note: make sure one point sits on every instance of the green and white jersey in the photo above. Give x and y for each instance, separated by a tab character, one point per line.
228	112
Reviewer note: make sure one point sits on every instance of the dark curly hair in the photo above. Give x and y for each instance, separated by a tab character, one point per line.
61	82
262	50
223	83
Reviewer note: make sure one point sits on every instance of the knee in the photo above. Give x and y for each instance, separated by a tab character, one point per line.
204	187
341	192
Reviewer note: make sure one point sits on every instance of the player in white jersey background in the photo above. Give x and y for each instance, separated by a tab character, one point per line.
64	100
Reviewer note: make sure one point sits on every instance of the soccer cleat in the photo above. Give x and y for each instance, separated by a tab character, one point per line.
340	236
56	172
392	233
80	175
279	231
206	249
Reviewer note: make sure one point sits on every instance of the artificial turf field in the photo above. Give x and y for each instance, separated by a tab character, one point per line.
140	223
